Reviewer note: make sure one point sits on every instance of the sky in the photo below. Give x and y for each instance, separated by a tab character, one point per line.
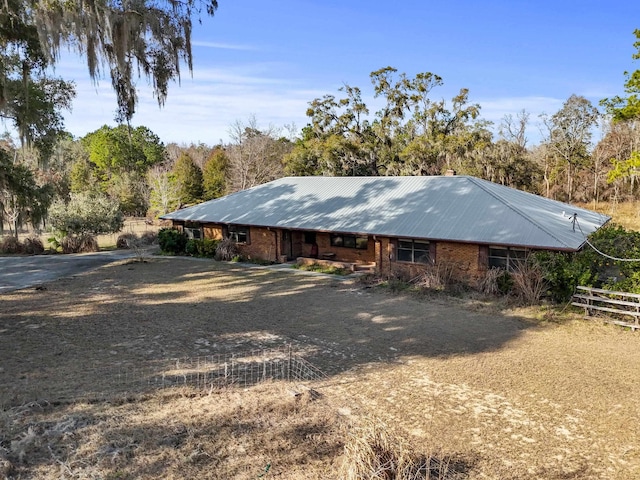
268	60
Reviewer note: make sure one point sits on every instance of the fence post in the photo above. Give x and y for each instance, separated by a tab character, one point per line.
289	366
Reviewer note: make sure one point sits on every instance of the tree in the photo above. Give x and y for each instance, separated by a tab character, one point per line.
214	175
410	135
29	98
187	177
569	137
114	150
618	150
255	156
86	214
163	196
507	161
21	198
126	39
119	158
627	108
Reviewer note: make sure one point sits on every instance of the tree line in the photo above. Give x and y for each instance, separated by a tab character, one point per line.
132	171
129	169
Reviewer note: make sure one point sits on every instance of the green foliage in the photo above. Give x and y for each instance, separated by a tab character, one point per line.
86	214
21	198
410	135
564	271
130	189
201	247
504	282
30	98
214	175
149	38
627	108
172	241
114	150
188	180
82	177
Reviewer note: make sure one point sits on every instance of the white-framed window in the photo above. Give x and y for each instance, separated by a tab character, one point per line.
507	258
193	232
238	234
414	251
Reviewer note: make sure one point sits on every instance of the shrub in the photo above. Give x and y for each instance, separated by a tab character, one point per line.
436	277
11	244
79	244
504	282
86	214
191	247
149	238
126	240
227	250
489	282
33	246
528	282
88	243
202	247
172	241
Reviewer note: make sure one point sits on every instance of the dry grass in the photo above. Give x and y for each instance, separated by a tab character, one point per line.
626	214
228	434
505	396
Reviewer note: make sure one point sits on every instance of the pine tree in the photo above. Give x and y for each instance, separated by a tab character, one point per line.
215	174
188	180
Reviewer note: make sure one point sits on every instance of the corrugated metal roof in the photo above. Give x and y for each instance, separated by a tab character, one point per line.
456	208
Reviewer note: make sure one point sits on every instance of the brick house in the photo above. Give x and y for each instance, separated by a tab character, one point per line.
403	224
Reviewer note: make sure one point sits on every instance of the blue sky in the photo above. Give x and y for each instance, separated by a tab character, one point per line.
269	59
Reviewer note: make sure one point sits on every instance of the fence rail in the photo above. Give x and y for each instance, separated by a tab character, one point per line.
619	308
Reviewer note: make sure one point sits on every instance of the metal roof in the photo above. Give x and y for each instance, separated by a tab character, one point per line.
453	208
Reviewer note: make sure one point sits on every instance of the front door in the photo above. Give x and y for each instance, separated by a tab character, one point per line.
286	248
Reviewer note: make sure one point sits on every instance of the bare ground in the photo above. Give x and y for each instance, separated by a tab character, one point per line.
497	393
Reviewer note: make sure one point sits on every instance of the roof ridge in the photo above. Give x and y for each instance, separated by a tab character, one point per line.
479	182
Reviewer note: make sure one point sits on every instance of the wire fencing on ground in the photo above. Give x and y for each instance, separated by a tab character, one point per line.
238	369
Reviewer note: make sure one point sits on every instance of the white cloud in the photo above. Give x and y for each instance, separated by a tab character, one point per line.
200	109
221	46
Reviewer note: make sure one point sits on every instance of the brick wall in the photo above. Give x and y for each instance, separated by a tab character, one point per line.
463	260
343	254
262	244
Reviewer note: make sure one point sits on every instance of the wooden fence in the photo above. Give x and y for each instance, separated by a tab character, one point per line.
620	308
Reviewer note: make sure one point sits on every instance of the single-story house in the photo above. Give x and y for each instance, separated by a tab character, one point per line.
394	223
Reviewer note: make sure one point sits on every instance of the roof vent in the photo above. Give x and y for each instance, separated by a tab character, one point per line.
450	173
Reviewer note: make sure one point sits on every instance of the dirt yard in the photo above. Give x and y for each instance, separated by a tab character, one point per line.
497	394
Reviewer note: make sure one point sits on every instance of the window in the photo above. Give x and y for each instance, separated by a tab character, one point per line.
238	234
414	251
192	232
504	257
349	241
309	238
